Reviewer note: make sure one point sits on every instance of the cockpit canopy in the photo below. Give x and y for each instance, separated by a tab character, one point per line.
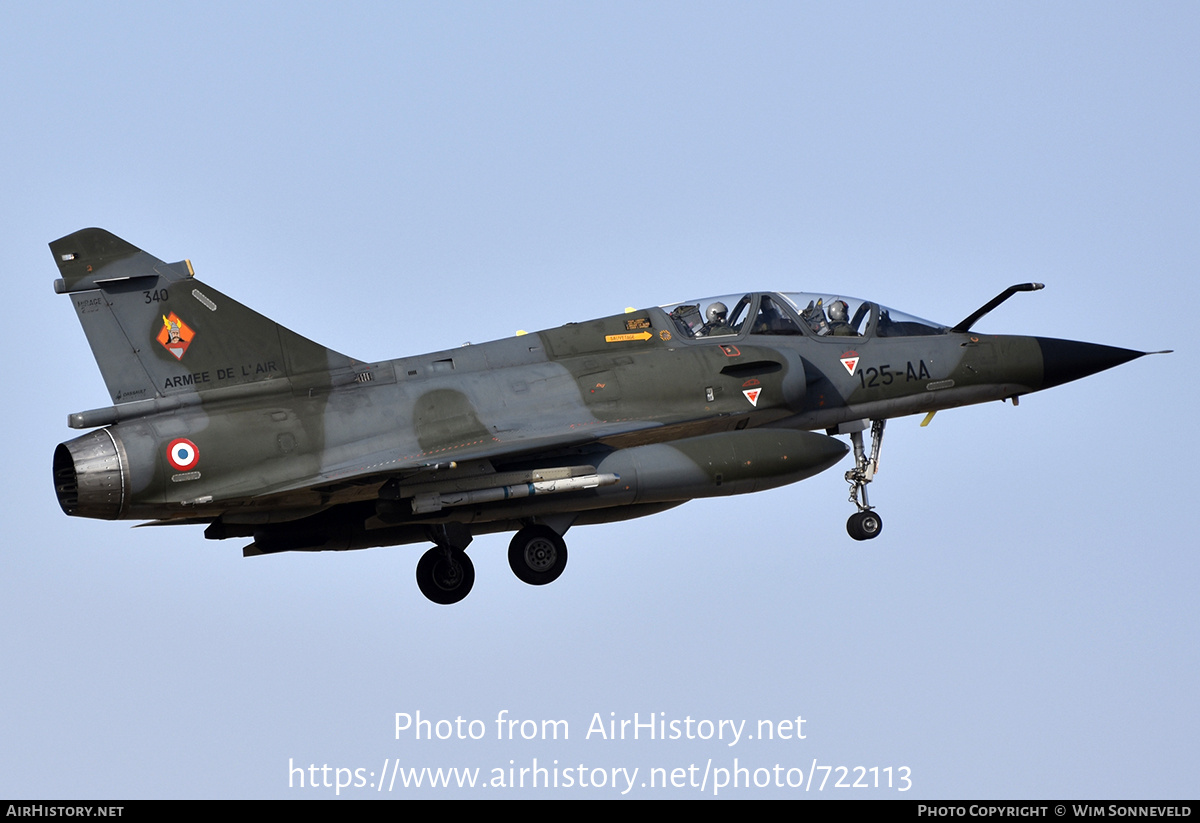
794	313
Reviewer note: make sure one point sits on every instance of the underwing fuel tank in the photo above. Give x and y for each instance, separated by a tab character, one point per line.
717	465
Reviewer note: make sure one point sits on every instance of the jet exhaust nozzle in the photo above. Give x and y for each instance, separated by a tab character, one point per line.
91	476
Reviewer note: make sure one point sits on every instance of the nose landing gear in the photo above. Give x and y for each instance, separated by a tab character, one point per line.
866	523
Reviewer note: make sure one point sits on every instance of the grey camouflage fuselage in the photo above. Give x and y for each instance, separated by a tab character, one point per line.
222	417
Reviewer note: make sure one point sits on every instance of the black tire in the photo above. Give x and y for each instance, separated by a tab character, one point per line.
443	579
537	555
864	525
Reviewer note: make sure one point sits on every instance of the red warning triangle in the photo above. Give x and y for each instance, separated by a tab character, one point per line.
850	361
752	395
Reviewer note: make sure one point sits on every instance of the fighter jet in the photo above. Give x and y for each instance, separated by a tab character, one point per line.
223	418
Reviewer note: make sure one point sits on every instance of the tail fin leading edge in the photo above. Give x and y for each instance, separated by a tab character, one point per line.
156	331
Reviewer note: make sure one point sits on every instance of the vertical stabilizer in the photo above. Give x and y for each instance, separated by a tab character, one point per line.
156	331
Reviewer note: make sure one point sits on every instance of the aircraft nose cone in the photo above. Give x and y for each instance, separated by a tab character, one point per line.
1067	360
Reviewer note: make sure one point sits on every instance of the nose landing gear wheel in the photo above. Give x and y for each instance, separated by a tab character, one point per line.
864	525
537	555
445	575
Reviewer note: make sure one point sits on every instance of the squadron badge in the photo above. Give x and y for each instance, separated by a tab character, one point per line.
175	335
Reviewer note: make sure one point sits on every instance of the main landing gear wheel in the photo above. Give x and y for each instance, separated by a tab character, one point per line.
445	575
537	555
864	525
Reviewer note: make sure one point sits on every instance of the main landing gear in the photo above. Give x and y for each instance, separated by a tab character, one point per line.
537	555
866	523
444	573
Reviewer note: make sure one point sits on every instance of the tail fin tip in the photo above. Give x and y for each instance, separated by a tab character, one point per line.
90	255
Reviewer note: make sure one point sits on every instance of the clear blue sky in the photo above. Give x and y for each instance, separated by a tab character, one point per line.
396	178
